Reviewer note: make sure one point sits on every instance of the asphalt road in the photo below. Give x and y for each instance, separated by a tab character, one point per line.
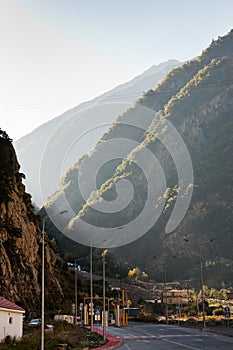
140	336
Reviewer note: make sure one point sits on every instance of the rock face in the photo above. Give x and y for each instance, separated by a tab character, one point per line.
20	238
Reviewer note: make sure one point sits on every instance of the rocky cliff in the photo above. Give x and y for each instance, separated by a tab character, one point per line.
20	238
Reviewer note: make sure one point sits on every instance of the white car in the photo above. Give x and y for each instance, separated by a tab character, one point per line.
35	322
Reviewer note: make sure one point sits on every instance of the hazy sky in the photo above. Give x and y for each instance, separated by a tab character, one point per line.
58	53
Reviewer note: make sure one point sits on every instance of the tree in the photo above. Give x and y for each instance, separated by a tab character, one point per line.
4	135
136	274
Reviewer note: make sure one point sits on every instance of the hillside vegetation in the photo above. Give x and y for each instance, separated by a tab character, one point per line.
197	99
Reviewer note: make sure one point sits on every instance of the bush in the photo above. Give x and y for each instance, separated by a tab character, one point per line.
8	339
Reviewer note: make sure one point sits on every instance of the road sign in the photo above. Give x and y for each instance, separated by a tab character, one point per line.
97	311
227	312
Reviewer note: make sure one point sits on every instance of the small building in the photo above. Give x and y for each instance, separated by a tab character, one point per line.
11	319
230	296
64	318
175	296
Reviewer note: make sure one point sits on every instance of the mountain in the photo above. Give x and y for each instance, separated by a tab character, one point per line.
178	155
21	239
46	153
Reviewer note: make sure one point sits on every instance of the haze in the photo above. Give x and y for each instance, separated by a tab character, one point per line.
56	54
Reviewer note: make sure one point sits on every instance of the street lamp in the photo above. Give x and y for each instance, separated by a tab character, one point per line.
91	286
202	278
76	289
202	281
165	288
104	310
43	277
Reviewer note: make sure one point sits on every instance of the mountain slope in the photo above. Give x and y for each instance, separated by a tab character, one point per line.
77	131
197	99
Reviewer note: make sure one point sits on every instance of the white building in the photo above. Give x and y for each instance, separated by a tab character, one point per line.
66	318
11	319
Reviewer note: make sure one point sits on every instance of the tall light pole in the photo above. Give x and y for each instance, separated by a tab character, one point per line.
43	279
202	289
165	289
76	289
91	286
43	290
201	278
202	281
104	309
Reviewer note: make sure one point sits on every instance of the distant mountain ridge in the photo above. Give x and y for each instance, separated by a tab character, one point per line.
32	147
197	99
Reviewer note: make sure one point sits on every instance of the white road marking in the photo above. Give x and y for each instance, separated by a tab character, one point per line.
180	344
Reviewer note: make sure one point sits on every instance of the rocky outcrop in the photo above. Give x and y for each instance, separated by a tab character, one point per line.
20	238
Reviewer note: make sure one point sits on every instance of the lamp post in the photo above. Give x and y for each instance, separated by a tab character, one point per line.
202	278
202	281
202	290
91	287
43	290
43	277
104	309
76	289
165	289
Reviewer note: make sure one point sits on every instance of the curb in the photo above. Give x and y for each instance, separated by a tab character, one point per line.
113	341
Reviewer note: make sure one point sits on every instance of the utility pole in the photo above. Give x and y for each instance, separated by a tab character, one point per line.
91	286
43	290
165	289
202	281
43	278
202	290
76	288
76	291
104	308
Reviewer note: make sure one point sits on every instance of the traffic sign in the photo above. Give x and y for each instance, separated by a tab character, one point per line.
97	311
227	312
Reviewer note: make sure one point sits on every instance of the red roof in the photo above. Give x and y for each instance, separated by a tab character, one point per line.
6	304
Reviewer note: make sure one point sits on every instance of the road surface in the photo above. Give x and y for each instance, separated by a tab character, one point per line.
139	336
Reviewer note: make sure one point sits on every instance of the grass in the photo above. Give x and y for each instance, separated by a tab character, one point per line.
64	336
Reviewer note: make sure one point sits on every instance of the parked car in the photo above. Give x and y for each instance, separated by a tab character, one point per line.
35	322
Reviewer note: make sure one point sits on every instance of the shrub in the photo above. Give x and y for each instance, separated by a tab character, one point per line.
8	339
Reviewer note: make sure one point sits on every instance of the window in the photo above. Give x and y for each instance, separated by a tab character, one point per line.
10	320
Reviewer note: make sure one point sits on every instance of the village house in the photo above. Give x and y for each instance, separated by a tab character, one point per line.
11	319
175	296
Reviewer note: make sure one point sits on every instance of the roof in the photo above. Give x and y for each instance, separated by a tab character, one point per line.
6	304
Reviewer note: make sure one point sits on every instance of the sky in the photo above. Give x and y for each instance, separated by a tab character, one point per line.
56	54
